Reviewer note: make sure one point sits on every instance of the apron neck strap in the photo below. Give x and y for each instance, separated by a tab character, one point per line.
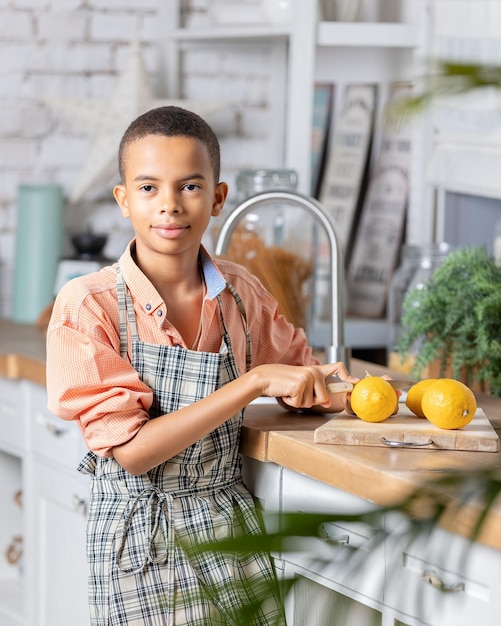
126	313
243	313
126	316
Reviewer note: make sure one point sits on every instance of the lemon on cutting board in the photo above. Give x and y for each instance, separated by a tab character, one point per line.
373	399
449	404
415	396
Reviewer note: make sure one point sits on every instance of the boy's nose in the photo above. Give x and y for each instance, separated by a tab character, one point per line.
169	204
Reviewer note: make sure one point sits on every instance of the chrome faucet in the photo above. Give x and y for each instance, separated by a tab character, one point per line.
336	351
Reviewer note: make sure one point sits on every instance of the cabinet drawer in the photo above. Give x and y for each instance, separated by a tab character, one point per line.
444	580
50	436
263	481
348	553
12	415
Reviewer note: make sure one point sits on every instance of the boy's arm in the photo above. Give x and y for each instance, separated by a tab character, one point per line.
162	438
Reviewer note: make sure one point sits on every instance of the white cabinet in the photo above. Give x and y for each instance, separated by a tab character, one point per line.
443	580
13	423
56	518
43	512
354	575
343	569
50	438
12	492
60	567
264	481
12	535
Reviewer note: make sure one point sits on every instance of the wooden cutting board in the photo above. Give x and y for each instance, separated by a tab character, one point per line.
407	430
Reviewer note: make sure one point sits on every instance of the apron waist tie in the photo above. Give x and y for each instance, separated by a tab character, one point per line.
159	519
161	505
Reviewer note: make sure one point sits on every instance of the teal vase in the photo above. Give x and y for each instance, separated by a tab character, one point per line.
39	242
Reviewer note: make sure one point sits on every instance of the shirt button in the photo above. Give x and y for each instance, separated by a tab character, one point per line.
148	307
159	312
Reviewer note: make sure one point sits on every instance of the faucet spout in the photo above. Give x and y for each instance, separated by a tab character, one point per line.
336	351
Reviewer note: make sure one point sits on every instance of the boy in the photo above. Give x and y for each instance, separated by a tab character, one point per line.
156	357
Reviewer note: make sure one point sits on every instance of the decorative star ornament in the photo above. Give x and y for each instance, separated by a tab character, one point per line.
106	120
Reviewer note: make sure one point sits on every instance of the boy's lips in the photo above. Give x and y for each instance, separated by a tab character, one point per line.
170	231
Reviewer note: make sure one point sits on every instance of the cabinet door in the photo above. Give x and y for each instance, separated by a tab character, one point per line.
350	554
59	528
313	600
12	541
443	580
50	437
12	416
263	481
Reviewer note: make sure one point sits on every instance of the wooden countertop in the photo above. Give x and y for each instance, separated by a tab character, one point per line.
382	475
22	351
273	435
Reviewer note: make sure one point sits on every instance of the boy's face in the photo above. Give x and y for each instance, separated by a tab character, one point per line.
169	194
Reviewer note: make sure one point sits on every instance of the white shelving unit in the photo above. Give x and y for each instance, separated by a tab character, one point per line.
341	53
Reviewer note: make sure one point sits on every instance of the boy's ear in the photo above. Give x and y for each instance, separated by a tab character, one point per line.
220	194
121	197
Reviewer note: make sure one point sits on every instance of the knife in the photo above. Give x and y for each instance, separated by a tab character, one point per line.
346	386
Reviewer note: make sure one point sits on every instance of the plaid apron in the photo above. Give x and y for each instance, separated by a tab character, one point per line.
140	572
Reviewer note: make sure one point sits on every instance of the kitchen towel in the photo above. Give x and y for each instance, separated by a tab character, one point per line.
39	240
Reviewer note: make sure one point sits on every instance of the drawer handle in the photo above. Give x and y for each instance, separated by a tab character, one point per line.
79	504
55	430
404	444
337	540
432	578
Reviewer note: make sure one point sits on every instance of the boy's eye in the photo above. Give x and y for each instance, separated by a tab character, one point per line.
147	188
190	187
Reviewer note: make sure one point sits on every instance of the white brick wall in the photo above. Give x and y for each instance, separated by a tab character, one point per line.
60	49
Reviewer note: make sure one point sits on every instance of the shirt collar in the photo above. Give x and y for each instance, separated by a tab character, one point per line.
214	279
146	294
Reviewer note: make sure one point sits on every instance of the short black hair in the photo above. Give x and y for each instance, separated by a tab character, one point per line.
171	121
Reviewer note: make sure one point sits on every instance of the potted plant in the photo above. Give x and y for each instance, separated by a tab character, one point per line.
454	321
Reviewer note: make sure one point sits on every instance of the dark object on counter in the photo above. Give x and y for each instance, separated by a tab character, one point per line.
88	244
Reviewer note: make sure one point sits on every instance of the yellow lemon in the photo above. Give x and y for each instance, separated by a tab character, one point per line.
449	404
373	399
415	396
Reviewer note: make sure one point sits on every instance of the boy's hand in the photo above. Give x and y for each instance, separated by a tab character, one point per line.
303	387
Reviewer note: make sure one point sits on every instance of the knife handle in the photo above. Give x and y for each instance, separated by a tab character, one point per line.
339	387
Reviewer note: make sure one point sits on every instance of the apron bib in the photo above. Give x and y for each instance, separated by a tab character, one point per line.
140	573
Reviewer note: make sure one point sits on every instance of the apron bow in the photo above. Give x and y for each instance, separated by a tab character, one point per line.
159	507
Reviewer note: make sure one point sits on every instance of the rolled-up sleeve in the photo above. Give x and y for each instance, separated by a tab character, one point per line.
87	379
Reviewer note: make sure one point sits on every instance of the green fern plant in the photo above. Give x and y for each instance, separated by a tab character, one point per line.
449	78
456	319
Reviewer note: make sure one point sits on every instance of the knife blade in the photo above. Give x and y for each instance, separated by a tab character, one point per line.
343	386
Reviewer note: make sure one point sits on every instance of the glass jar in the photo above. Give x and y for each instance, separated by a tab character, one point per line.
251	182
418	262
275	241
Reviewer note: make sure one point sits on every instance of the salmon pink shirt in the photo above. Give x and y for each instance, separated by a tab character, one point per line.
88	381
